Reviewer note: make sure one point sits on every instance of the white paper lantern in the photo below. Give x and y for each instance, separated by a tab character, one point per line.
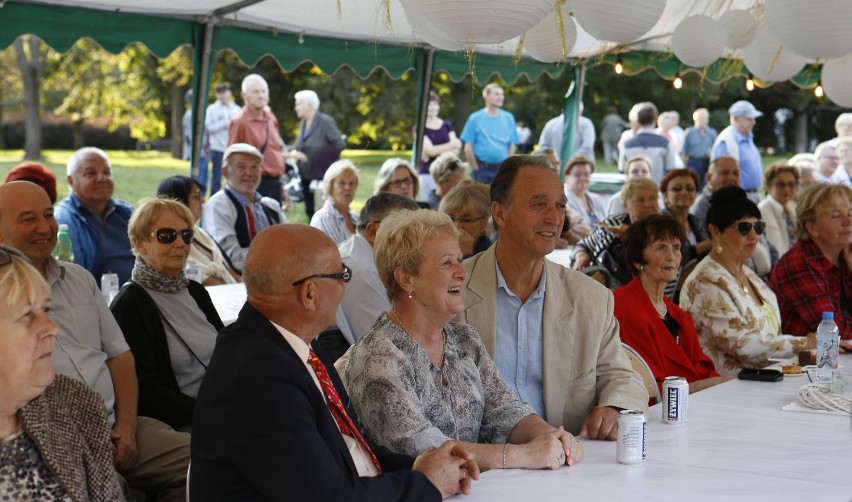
544	43
698	40
424	31
616	20
837	80
769	60
814	29
740	26
478	21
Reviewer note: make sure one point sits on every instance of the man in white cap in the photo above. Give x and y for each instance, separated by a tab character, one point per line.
737	141
233	216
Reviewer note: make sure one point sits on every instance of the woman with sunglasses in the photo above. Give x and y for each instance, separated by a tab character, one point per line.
447	171
778	209
736	314
169	322
213	265
416	379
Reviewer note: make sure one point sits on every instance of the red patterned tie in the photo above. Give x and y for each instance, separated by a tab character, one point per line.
336	406
250	217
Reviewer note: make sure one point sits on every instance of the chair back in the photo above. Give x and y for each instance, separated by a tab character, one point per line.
685	271
641	367
600	274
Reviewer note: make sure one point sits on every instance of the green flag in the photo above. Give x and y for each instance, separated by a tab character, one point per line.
570	113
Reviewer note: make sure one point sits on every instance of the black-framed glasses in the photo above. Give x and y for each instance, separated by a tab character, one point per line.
744	227
403	182
168	235
466	221
344	276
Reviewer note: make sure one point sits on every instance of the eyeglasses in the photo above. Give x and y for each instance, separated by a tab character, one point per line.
401	183
780	184
344	276
744	227
452	166
678	189
168	235
465	221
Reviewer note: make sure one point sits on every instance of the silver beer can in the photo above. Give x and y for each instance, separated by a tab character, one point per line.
675	400
632	430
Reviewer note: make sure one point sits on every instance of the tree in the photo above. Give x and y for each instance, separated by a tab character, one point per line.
30	54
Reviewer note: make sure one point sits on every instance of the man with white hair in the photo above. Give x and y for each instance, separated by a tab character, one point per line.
257	126
826	154
737	141
97	223
697	143
233	216
216	122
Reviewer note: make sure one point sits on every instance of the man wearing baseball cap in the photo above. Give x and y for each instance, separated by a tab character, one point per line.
233	216
737	141
216	122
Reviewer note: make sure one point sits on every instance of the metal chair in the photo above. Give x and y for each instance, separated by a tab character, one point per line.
641	367
600	274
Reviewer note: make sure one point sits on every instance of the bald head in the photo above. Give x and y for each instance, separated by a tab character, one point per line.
283	254
26	220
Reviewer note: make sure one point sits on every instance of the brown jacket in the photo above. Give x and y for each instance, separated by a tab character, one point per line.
69	426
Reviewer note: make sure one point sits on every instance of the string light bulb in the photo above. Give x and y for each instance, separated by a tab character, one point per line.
619	66
818	90
678	82
750	83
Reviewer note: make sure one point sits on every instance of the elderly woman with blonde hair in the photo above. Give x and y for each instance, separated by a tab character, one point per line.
335	218
469	206
54	437
815	276
169	321
416	379
778	208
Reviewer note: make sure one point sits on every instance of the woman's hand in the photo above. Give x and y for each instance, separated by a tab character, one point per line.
543	452
581	260
616	231
297	155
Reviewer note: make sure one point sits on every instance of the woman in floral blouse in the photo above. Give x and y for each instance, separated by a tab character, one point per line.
736	314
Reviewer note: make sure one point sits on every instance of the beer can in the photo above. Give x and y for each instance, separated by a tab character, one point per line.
675	400
632	430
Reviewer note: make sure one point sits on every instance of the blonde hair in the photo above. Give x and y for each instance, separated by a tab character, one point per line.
336	169
467	195
383	178
147	212
21	281
399	241
816	198
630	187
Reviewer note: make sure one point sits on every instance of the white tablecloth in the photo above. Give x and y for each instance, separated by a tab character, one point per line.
738	445
228	300
561	256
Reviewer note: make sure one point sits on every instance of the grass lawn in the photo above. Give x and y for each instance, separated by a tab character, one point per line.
137	174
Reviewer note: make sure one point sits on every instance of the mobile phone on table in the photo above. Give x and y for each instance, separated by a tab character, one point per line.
760	375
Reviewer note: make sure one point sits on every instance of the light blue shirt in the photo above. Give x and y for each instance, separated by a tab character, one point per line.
490	136
751	164
520	349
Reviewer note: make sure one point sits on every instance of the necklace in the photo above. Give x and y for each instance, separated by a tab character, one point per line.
661	312
444	380
743	283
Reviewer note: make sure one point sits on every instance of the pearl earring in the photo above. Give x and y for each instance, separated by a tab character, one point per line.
411	294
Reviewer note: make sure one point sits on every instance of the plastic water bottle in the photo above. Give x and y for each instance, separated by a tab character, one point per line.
64	249
109	286
828	347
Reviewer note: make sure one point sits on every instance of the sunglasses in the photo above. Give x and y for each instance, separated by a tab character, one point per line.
744	227
344	276
168	235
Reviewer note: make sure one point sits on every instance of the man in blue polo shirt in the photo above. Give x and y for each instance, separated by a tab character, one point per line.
97	223
737	141
489	136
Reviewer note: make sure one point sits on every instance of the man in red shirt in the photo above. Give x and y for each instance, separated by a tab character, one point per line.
257	126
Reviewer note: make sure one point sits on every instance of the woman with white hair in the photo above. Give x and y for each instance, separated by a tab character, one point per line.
397	176
318	145
335	218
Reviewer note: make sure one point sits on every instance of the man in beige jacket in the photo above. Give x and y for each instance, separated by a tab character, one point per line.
557	343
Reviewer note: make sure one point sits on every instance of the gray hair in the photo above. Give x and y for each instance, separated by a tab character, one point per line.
308	97
445	166
385	174
822	147
378	206
253	77
80	155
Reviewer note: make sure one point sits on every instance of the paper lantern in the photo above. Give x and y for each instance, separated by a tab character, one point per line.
769	60
837	80
698	40
423	30
616	20
544	43
477	21
811	29
739	26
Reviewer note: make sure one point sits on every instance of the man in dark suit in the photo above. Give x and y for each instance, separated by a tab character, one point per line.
263	429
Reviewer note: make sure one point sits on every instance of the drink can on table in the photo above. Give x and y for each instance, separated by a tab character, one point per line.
632	429
675	400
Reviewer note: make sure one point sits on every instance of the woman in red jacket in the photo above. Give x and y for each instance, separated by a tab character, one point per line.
657	328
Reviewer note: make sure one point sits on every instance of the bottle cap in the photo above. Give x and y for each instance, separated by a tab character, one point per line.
828	315
63	226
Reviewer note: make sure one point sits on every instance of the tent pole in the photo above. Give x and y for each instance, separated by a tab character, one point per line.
425	71
199	102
